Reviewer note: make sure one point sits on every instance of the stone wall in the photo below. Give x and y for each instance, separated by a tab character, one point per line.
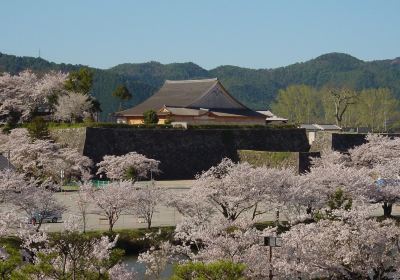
300	161
184	153
341	142
322	141
71	137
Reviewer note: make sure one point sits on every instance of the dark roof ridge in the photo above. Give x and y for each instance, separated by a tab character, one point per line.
224	91
205	92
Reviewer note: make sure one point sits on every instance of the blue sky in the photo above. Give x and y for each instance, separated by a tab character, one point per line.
256	34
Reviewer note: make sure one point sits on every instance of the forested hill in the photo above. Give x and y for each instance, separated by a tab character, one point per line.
256	88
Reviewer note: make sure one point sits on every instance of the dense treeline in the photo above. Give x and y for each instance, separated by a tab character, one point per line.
375	108
255	88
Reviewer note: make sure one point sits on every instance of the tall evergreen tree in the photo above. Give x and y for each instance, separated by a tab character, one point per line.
123	94
80	81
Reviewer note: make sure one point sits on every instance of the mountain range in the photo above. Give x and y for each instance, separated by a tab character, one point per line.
257	88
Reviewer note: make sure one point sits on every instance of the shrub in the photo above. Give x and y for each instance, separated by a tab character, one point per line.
38	128
220	270
150	117
244	126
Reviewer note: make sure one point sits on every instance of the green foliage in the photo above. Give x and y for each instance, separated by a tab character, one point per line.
44	268
55	125
134	241
150	117
96	105
61	125
12	121
298	103
38	128
72	244
220	270
270	159
122	93
130	173
255	88
340	200
228	126
376	109
337	200
10	264
168	120
80	81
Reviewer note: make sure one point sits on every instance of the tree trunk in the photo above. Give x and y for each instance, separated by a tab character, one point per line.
387	209
110	225
84	223
255	211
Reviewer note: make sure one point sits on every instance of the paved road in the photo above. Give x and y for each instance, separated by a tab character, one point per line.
164	216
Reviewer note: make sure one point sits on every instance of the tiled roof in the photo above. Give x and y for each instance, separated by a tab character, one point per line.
174	94
186	96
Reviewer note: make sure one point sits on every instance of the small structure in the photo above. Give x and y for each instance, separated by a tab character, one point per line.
196	102
272	118
5	163
312	129
4	255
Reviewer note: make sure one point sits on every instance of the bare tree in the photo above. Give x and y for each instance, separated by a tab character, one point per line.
342	98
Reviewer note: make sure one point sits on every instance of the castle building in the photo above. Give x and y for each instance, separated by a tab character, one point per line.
196	102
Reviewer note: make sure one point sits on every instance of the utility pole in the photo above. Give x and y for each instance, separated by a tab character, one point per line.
8	159
270	263
271	241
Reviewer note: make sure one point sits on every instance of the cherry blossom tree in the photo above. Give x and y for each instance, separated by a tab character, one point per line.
146	199
44	159
155	260
11	182
217	218
72	107
381	156
334	248
312	191
38	203
114	200
237	189
131	166
351	247
220	239
71	255
21	95
122	272
83	201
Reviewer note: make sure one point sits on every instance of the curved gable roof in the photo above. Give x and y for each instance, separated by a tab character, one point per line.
191	94
173	94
